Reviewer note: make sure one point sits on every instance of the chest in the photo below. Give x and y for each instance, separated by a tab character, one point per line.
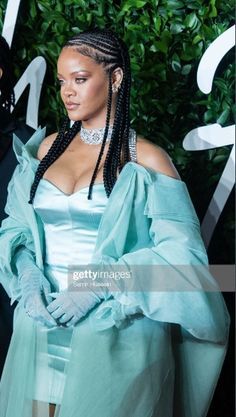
73	170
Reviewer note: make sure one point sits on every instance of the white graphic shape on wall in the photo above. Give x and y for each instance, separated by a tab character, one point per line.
34	73
10	20
214	136
212	57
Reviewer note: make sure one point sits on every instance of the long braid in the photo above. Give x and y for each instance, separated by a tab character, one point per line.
106	49
59	145
121	127
127	155
110	165
109	102
117	141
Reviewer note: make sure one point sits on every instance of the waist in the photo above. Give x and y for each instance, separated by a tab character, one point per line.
69	247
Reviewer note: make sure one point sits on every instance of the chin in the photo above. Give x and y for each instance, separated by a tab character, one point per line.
74	118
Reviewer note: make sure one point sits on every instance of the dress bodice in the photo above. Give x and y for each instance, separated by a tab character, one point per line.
70	224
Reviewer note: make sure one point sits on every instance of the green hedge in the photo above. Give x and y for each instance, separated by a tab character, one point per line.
166	40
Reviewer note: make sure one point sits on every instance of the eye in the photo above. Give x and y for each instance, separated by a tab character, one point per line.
80	80
60	82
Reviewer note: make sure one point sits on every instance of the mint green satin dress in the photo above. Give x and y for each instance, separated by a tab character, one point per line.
70	224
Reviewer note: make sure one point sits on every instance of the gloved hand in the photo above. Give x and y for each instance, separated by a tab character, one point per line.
71	305
35	288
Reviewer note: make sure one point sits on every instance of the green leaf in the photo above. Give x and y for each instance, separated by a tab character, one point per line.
186	69
154	47
175	63
176	28
191	21
213	10
164	43
157	23
172	108
175	4
197	39
223	117
132	4
211	154
208	116
44	6
218	159
145	20
32	9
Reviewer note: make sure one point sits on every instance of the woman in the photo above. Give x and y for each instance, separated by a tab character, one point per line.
101	197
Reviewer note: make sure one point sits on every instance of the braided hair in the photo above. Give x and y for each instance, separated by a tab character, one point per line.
7	97
107	49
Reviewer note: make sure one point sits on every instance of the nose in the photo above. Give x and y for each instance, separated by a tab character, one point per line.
68	90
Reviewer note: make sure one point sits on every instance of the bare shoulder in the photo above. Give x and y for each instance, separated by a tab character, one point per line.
45	145
152	156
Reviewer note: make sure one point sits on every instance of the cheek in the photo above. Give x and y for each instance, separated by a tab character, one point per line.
62	94
97	92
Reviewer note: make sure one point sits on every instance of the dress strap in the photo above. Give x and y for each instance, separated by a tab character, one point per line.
132	145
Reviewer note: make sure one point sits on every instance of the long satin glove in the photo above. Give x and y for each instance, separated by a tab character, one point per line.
35	288
70	305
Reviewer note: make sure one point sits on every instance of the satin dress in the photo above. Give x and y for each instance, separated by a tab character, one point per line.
70	224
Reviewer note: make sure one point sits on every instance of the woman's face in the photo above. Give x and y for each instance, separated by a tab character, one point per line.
84	88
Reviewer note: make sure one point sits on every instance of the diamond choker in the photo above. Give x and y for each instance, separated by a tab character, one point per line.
94	136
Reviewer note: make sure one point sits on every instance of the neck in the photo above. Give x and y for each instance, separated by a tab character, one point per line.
96	125
100	122
91	127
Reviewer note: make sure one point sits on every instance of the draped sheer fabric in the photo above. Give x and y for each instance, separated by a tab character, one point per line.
164	362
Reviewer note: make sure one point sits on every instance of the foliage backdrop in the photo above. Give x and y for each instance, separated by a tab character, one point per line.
166	40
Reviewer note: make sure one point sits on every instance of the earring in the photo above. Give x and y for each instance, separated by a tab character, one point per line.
115	88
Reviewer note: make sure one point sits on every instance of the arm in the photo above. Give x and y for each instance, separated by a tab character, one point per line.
19	274
35	288
21	227
179	288
14	232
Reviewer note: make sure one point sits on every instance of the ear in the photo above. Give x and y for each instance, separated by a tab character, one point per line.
117	77
1	72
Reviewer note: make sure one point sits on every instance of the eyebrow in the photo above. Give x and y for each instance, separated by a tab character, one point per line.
76	72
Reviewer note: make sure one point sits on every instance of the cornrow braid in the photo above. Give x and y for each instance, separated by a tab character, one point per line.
127	155
109	102
108	50
121	127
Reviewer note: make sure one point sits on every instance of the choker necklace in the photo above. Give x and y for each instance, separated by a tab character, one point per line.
94	136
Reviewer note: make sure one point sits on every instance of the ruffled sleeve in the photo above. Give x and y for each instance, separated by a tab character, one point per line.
170	281
20	228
